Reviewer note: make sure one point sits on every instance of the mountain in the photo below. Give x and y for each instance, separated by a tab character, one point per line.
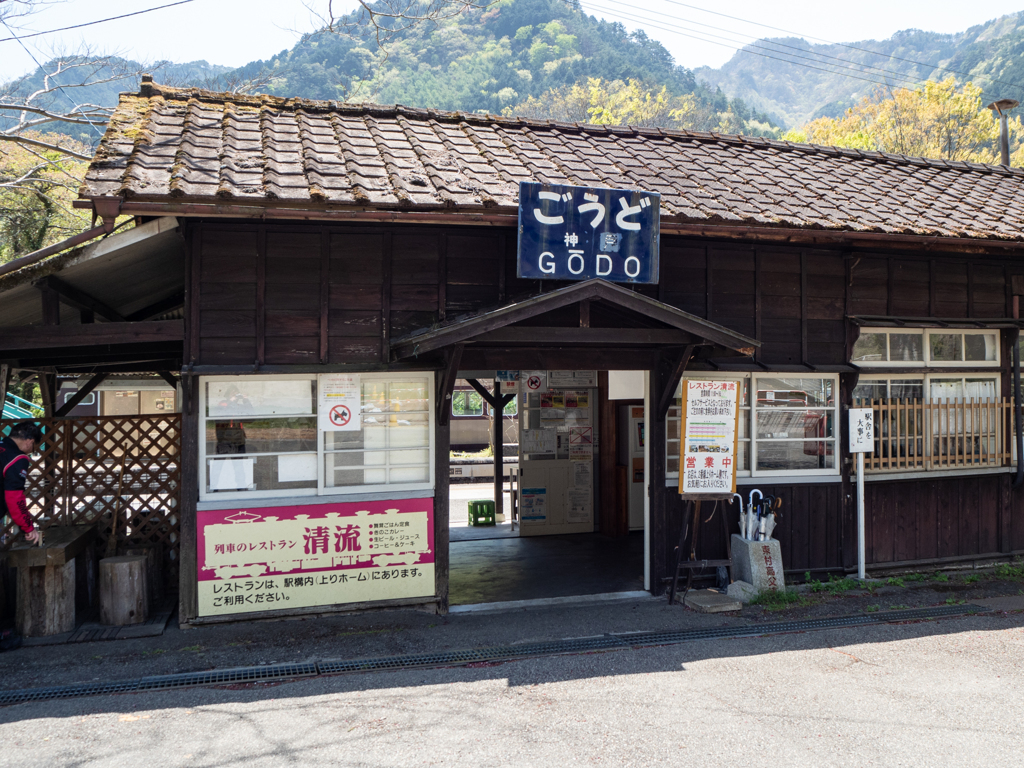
797	81
484	60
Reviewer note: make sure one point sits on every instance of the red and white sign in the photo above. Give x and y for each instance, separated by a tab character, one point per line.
340	415
299	556
339	402
535	380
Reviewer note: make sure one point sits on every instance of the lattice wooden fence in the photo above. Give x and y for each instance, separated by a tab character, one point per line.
76	478
948	434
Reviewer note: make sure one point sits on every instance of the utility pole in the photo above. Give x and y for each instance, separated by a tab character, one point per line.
1001	107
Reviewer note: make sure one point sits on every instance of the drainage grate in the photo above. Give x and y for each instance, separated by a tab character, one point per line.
220	676
472	655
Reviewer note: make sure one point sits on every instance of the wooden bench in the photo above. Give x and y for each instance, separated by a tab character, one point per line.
55	580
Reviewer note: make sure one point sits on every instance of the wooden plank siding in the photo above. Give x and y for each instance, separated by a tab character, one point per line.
259	299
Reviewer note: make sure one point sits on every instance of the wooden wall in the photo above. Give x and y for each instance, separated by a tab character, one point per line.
295	294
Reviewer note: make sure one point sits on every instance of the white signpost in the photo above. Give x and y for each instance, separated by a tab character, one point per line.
862	440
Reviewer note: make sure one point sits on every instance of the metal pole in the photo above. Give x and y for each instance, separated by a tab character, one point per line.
860	517
498	438
1004	140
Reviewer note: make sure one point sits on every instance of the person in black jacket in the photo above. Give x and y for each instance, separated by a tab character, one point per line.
14	463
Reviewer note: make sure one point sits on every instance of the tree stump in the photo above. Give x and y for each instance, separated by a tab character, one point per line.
154	555
124	590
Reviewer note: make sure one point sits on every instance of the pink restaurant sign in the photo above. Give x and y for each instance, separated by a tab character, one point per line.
272	558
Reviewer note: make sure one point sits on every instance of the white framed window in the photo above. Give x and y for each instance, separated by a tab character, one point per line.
926	347
788	425
795	425
260	437
467	403
928	388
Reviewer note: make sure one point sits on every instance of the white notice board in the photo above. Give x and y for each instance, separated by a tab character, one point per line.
862	430
339	402
707	461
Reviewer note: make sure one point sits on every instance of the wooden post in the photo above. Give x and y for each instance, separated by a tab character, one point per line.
188	587
499	450
442	556
5	382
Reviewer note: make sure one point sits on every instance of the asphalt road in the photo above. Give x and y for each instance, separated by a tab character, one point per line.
928	694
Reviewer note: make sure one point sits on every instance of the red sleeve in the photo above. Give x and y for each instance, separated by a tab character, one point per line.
18	510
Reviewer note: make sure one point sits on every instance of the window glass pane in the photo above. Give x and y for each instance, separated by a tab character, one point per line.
794	393
906	347
793	424
946	389
409	396
230	475
250	396
869	389
978	389
870	348
467	404
980	347
946	347
802	455
906	389
409	474
260	435
512	408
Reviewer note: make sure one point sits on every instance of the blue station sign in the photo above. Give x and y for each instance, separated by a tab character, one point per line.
579	233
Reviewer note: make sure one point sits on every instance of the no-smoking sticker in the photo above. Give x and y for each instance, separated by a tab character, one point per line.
340	415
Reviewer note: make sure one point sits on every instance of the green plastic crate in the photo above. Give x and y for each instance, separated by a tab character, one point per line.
481	512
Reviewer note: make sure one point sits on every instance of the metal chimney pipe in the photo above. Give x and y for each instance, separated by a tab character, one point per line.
1001	107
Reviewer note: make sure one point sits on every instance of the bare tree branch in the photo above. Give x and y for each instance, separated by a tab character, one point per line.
25	140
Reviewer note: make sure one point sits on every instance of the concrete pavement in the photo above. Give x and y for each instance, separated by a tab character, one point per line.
935	693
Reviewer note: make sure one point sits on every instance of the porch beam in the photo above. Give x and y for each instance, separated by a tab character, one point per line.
166	376
51	337
482	391
158	308
673	381
585	335
80	395
78	299
444	393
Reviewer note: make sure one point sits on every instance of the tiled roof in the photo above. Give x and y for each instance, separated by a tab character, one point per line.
168	144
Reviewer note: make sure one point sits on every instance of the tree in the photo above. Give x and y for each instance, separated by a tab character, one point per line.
940	120
386	20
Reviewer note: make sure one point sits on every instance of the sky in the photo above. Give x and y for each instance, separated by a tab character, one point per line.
234	32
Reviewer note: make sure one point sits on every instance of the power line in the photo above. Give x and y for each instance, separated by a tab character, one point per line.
756	53
844	45
746	45
846	62
86	24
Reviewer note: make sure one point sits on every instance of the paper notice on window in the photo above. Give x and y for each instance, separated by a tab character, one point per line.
296	468
581	443
580	506
583	476
533	505
571	379
509	381
339	403
533	381
708	459
539	441
231	474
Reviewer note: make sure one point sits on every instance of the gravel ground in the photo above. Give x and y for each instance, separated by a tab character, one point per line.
926	694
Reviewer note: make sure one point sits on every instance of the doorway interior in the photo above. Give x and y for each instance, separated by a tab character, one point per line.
549	542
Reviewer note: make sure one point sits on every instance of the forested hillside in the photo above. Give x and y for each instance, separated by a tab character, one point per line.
799	81
491	59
